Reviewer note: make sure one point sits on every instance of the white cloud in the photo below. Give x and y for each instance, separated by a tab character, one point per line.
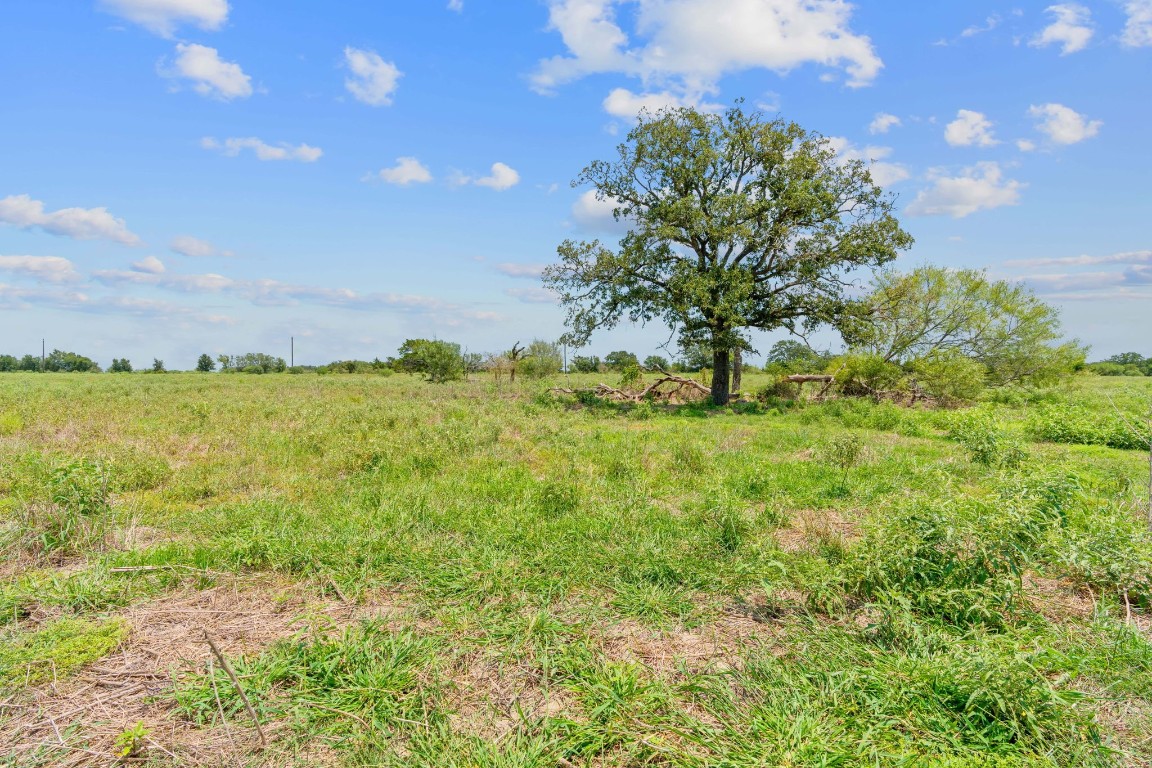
990	24
979	188
528	271
883	173
78	223
210	75
1127	257
883	122
532	295
686	46
149	265
283	151
1138	28
500	177
969	129
1025	145
373	80
1064	125
1071	28
164	16
47	269
625	104
408	170
194	247
595	215
456	5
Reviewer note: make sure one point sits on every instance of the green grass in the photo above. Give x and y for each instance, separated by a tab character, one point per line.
775	583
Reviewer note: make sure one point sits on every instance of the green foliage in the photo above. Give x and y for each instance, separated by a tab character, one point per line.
986	439
737	222
59	361
586	364
949	376
934	311
130	742
865	374
120	365
542	359
1065	423
620	360
205	363
247	362
631	376
158	366
438	361
57	649
654	362
10	423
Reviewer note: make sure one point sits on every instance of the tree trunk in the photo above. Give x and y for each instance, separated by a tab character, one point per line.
737	369
720	374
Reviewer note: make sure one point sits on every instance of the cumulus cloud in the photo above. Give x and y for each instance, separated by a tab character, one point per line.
1063	125
884	173
981	187
162	17
1138	27
527	271
595	215
46	269
969	129
194	247
208	73
78	223
1026	145
883	122
1071	28
625	104
373	80
408	170
149	265
283	151
686	46
500	177
532	295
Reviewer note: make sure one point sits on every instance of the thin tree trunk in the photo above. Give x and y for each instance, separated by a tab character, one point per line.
720	374
737	370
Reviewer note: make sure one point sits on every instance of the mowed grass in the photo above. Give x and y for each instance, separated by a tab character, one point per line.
579	583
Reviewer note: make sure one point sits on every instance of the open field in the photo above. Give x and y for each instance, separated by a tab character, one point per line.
402	573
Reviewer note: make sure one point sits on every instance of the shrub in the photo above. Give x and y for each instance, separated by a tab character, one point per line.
949	377
1069	424
986	439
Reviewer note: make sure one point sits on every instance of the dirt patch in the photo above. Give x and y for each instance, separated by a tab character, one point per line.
811	528
75	722
1057	599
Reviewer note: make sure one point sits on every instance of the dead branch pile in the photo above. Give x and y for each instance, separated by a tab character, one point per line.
680	390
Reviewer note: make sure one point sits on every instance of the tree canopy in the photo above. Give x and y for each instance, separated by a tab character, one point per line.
736	222
933	312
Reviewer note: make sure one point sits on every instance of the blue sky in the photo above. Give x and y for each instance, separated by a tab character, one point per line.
186	176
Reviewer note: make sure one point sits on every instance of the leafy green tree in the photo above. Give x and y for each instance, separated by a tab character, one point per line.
1001	325
158	366
436	360
695	357
652	362
621	359
29	363
9	363
1127	358
737	222
60	361
205	364
586	364
542	359
791	356
121	365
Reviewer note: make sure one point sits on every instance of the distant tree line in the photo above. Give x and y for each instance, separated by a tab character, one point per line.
1123	364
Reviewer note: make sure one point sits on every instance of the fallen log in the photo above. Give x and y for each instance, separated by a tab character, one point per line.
804	378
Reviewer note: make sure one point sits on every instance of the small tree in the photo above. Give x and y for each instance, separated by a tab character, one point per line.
205	364
60	361
514	357
586	364
542	359
436	360
157	365
1003	326
737	222
120	365
652	362
621	359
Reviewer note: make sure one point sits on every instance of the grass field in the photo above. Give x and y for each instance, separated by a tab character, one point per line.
401	573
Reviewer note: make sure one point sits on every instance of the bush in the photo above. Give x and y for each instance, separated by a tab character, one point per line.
1069	424
781	389
986	439
864	374
949	377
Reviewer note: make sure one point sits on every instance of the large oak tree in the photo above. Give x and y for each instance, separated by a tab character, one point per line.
736	222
